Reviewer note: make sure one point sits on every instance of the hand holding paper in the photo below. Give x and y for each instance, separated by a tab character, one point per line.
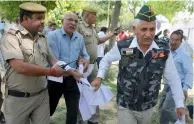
61	72
89	98
180	112
181	121
96	83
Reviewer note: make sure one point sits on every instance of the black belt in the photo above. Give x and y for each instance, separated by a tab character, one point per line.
22	94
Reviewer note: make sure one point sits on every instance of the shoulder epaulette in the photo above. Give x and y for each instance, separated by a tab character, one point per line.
13	31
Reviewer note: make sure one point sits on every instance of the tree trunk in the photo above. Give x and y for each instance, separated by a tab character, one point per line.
114	22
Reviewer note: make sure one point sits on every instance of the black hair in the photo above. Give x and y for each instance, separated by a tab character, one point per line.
25	13
178	32
104	29
181	31
53	24
165	31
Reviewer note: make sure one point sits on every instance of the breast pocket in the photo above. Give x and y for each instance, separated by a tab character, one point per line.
27	53
44	56
88	38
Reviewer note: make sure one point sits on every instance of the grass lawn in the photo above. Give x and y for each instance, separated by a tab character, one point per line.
108	113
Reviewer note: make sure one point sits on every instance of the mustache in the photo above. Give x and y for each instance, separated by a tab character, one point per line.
148	38
72	26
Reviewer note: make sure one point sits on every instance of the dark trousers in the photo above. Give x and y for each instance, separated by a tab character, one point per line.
98	61
70	91
1	95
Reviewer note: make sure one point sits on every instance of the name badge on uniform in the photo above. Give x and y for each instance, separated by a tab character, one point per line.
126	51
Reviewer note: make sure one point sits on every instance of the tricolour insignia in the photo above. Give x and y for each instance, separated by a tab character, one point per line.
126	51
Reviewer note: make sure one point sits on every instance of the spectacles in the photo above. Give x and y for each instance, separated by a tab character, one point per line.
71	20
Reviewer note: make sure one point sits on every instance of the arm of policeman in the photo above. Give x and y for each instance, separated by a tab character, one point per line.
13	55
105	38
84	54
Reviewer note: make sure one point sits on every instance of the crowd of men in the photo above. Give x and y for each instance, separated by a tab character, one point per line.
30	52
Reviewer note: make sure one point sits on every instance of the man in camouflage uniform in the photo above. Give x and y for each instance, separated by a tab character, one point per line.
142	63
26	54
92	40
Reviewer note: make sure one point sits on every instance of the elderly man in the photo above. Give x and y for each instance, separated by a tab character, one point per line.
142	63
183	62
67	45
92	40
26	53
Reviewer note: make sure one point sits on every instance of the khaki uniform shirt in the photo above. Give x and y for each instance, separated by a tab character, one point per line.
31	50
91	39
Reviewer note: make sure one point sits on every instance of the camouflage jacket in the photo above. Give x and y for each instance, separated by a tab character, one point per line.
164	40
140	77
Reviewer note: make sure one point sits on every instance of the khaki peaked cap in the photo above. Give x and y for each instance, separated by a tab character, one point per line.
90	9
32	7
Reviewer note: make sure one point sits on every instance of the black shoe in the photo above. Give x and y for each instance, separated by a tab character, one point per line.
80	122
2	118
190	108
92	122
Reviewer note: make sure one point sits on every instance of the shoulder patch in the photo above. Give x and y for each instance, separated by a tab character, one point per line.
13	31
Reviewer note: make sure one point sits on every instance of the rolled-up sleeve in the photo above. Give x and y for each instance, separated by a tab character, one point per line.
10	48
171	77
112	55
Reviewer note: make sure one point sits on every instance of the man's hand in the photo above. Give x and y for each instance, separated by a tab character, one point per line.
186	95
77	75
86	64
58	72
96	83
80	60
180	112
117	31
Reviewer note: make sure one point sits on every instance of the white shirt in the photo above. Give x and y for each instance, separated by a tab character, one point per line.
170	71
187	47
101	46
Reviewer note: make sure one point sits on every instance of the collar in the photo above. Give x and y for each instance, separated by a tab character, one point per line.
22	30
135	44
75	35
86	24
25	32
178	49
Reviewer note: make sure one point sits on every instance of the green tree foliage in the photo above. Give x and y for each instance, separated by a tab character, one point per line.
167	8
133	4
190	6
105	10
64	6
10	9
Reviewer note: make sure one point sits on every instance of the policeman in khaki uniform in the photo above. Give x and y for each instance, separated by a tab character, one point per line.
26	54
91	39
142	63
2	71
